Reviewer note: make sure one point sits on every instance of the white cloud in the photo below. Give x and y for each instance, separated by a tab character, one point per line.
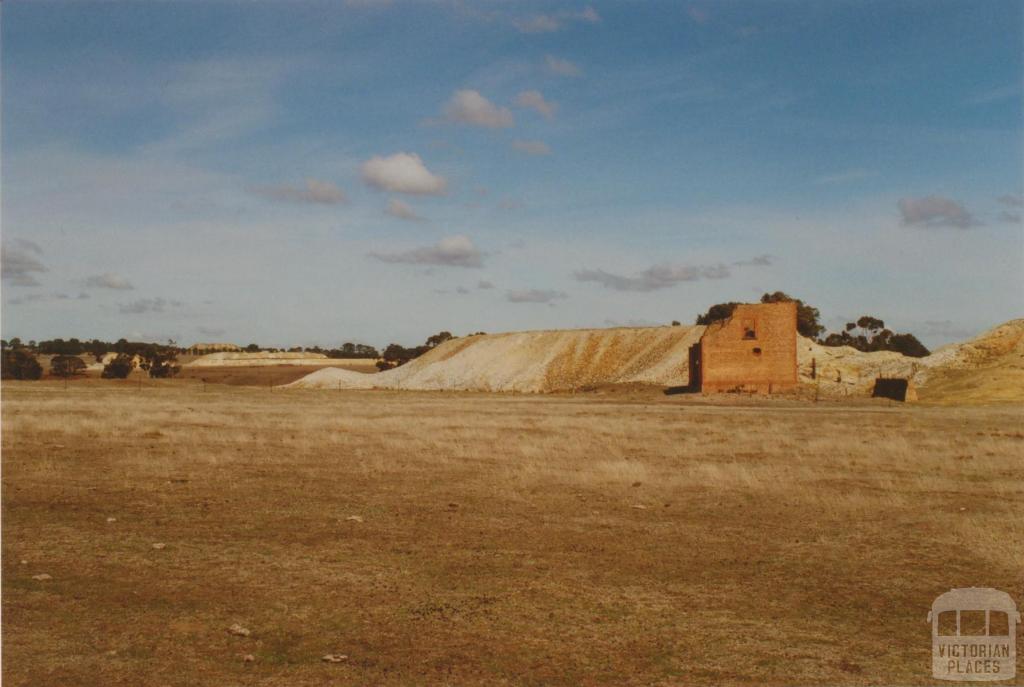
402	173
535	296
561	67
314	191
538	23
534	100
1010	217
451	251
147	305
402	210
19	264
1014	200
653	278
935	211
532	147
469	107
108	281
549	23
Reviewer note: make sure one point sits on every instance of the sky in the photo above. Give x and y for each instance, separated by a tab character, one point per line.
310	173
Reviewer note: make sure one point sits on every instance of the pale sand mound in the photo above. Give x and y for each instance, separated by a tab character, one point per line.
987	368
535	362
262	359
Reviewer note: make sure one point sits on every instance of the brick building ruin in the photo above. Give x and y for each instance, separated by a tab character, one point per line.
754	350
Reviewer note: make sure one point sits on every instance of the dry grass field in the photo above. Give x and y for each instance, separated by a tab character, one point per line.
474	539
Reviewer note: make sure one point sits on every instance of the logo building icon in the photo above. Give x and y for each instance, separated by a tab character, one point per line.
974	633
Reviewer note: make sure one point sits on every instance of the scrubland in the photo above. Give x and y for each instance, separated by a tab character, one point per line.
456	538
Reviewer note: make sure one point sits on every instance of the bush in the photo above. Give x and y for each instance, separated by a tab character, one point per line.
20	364
66	366
118	368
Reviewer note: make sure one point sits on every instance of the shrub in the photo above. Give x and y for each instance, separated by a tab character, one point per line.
118	368
20	364
66	366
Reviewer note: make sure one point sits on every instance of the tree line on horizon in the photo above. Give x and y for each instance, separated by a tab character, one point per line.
867	334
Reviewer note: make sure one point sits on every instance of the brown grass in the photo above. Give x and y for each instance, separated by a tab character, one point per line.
589	539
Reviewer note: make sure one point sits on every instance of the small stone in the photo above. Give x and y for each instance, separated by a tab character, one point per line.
111	519
112	652
637	484
42	577
639	506
159	546
248	658
354	518
962	510
239	631
334	658
24	562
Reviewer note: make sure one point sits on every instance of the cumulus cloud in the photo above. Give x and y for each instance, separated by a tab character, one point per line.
534	100
1014	200
108	281
469	107
653	278
935	211
1011	217
402	173
313	191
561	67
451	251
532	147
19	262
402	210
483	284
549	23
535	296
148	305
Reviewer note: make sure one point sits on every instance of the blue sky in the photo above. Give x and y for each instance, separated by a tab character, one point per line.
320	172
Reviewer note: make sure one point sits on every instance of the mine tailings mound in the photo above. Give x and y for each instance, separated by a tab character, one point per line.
988	368
540	361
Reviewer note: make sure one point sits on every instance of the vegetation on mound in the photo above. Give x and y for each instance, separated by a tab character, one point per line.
871	335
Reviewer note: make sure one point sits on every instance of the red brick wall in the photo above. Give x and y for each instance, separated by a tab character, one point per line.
731	360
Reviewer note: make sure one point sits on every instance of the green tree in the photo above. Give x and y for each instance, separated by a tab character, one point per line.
717	313
19	363
438	339
118	368
66	366
807	317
